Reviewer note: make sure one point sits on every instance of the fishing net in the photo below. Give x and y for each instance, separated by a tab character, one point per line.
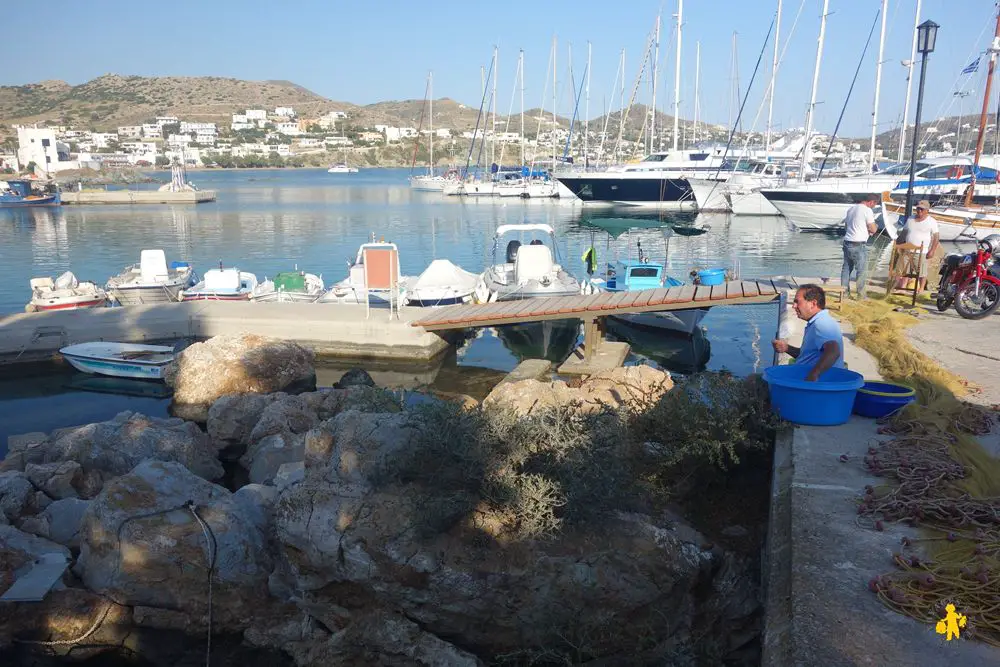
939	480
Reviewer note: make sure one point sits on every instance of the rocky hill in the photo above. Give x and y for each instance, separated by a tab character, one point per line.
112	100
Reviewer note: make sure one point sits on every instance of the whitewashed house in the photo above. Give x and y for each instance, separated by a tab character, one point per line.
130	132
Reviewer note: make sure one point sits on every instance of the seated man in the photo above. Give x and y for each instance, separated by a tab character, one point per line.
822	343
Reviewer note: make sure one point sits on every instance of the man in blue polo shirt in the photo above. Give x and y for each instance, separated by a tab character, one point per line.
822	343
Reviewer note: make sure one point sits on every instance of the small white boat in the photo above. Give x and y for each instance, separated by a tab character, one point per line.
341	168
123	360
64	293
353	289
151	280
442	284
530	270
289	286
222	285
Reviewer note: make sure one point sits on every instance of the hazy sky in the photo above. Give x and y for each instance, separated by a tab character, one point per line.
377	50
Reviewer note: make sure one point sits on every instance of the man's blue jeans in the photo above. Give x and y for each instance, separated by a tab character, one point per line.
856	263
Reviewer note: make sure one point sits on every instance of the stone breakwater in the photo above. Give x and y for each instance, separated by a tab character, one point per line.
368	532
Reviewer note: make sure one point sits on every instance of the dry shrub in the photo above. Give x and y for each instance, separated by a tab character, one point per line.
562	467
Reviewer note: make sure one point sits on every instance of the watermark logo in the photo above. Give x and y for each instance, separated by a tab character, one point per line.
950	624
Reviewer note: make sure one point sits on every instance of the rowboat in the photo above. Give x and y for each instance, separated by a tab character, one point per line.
123	360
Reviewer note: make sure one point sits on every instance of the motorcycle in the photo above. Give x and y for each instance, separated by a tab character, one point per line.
972	281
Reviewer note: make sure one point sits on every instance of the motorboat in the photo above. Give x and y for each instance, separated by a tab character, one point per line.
341	168
630	275
354	289
151	280
123	360
822	204
442	284
64	293
289	286
529	269
738	189
22	194
222	285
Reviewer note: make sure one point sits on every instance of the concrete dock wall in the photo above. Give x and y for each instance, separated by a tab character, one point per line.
137	197
329	330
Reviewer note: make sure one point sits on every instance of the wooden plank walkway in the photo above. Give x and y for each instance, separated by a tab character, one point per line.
593	306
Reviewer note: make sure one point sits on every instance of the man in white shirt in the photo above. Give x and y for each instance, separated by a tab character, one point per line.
859	224
922	229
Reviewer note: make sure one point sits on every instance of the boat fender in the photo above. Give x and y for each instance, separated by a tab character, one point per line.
30	308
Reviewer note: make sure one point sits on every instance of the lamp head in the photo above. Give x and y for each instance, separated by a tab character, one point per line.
926	36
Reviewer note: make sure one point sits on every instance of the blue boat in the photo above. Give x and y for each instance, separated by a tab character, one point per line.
19	194
629	275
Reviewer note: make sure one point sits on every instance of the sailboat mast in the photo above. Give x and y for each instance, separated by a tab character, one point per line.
430	125
677	71
909	77
586	115
982	117
493	134
520	68
697	84
774	80
656	63
878	85
554	84
812	96
621	113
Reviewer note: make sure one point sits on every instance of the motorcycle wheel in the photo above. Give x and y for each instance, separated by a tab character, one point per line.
989	299
943	302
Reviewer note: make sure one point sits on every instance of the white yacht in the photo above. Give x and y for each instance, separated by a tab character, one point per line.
222	285
341	168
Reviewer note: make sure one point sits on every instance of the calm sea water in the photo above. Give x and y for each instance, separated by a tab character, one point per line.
272	220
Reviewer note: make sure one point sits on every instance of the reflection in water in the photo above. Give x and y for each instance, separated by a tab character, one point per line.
676	353
553	340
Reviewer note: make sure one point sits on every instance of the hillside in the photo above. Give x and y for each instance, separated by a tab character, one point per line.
112	100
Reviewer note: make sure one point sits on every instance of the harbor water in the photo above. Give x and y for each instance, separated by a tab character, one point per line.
266	221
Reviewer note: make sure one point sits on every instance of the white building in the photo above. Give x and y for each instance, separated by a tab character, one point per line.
9	161
140	151
130	132
151	131
284	112
310	142
328	121
240	118
179	140
289	129
103	139
393	134
188	127
236	127
166	120
206	137
340	141
39	145
256	114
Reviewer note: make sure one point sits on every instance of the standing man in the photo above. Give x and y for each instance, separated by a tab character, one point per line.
923	229
822	343
860	225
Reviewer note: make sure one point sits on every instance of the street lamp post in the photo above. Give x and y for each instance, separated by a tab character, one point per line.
926	36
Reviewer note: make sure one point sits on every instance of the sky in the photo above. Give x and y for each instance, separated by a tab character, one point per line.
365	52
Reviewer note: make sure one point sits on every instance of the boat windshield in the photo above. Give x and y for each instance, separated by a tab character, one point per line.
740	165
655	157
903	169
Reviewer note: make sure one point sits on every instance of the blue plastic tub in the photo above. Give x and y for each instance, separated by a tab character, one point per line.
878	399
826	402
712	276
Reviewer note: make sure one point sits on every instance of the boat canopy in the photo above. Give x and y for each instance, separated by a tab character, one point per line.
536	227
222	279
618	226
290	281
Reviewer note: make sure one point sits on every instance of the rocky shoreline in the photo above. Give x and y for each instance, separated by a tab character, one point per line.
543	526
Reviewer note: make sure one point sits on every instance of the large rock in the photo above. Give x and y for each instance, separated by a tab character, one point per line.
108	449
635	386
236	364
19	550
58	480
59	522
265	458
16	494
142	546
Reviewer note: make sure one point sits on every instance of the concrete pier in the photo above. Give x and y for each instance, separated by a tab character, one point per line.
329	330
137	197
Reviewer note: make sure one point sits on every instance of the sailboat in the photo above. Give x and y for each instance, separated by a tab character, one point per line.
431	182
964	221
342	167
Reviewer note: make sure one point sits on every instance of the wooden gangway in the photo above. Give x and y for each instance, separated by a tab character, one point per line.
589	307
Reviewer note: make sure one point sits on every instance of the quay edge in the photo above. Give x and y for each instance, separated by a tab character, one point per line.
329	330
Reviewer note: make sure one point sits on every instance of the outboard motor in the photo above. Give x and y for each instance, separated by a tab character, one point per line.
512	250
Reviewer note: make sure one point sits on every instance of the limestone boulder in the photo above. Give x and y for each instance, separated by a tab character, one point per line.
108	449
18	552
636	386
356	377
232	417
59	522
236	364
362	442
143	545
16	494
264	458
58	480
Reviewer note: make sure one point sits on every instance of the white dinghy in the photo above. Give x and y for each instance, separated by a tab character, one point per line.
442	284
123	360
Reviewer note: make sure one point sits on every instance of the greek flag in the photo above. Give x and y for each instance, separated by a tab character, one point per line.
972	67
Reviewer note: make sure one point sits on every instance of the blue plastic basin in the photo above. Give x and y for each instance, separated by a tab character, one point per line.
712	276
878	399
826	402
